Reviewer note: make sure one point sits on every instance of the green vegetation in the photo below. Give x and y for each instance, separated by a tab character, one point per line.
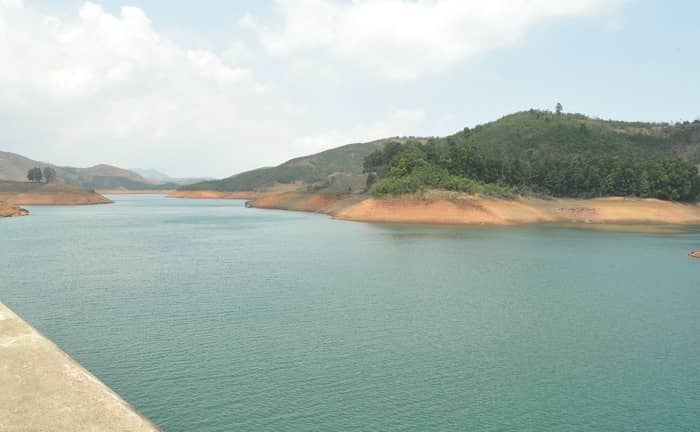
307	170
49	174
531	152
564	155
34	175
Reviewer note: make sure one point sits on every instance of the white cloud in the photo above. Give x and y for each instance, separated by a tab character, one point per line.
247	21
397	122
90	86
400	39
102	87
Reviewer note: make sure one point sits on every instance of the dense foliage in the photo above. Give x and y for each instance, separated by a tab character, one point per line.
34	175
545	153
49	174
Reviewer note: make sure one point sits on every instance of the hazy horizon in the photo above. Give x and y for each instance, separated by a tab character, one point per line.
195	91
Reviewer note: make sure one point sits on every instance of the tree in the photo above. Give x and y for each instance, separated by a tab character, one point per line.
49	174
34	174
559	108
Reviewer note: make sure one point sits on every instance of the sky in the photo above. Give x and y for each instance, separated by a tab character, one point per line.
212	88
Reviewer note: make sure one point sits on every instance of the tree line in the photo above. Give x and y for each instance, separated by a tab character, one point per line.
36	175
454	165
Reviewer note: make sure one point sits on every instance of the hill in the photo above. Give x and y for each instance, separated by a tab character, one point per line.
562	155
526	152
538	134
14	167
156	176
303	171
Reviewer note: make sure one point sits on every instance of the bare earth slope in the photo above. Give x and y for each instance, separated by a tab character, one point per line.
21	193
470	210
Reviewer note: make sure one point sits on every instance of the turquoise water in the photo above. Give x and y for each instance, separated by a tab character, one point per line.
207	316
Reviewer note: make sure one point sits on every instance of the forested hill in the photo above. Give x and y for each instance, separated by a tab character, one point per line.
548	153
527	152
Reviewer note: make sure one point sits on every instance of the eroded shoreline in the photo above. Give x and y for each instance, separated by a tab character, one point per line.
7	210
19	193
471	210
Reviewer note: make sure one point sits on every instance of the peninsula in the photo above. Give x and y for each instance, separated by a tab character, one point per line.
529	167
27	193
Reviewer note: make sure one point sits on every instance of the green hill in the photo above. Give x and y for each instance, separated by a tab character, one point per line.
545	134
306	170
552	154
527	152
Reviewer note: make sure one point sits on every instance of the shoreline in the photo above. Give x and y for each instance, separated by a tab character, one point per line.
207	194
478	211
133	192
51	194
7	210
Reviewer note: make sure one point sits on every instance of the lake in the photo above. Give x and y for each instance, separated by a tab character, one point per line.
208	316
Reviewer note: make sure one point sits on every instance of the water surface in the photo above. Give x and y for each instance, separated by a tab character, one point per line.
207	316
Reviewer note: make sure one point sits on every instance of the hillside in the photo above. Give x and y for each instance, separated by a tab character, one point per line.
156	176
24	193
542	134
305	171
543	153
14	167
528	143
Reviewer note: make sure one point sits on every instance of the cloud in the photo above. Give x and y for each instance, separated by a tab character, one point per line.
102	87
396	122
402	40
247	21
88	86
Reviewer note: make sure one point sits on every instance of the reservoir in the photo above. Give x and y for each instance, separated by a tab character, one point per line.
209	316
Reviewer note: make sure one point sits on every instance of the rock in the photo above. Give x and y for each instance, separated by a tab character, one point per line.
695	254
7	210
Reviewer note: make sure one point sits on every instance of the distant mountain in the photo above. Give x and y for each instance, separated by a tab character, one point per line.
14	167
305	171
160	177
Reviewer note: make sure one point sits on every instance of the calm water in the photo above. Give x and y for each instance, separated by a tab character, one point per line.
208	316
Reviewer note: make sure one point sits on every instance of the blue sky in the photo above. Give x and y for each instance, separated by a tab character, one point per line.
273	80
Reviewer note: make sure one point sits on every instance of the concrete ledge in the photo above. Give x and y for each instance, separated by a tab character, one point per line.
43	389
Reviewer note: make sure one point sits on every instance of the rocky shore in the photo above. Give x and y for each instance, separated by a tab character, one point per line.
8	210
